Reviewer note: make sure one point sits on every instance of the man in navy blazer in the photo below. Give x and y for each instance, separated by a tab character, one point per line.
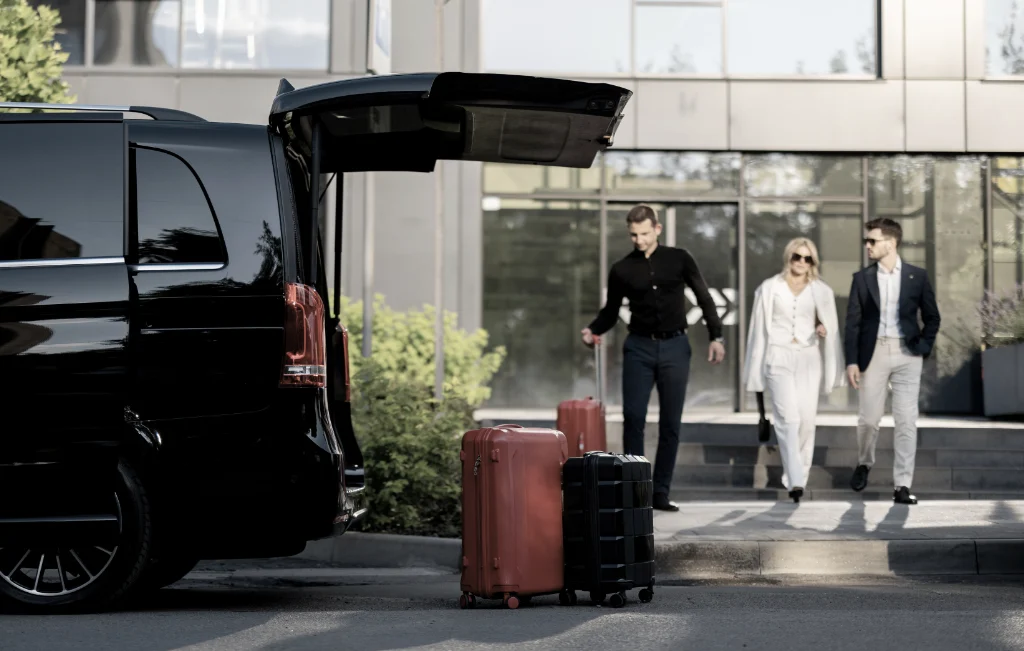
886	345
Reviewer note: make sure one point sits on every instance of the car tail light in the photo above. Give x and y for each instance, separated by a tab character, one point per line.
305	343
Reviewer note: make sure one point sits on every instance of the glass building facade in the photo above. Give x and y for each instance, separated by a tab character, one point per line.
550	236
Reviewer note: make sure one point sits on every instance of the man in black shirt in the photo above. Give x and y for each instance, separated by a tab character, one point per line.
657	350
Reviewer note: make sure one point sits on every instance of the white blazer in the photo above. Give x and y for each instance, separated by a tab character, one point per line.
833	370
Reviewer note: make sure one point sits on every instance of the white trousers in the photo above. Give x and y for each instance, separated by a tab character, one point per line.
794	379
891	363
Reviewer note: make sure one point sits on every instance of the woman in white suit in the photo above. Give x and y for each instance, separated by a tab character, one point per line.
794	350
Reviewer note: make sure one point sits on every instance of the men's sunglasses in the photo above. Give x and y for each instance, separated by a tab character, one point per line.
872	241
806	258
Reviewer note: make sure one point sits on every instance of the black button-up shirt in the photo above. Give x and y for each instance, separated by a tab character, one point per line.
654	287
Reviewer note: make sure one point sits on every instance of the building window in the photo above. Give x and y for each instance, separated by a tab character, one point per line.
245	34
541	283
939	203
1007	223
738	38
137	33
173	219
802	37
671	173
61	190
581	36
70	32
1004	37
678	39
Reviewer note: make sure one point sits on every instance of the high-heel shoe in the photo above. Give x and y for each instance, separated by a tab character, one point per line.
796	494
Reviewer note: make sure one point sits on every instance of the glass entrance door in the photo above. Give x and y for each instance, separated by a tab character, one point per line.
709	231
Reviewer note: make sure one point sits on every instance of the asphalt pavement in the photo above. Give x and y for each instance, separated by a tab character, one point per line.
219	608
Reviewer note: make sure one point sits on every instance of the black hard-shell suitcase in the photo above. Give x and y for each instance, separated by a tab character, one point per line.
608	527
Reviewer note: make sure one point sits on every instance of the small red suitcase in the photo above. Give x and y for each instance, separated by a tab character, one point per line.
583	421
512	514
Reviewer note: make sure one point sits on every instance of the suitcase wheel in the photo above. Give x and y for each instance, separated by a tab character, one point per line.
467	601
646	595
511	601
567	598
618	600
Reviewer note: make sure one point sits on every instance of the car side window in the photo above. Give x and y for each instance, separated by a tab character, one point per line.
173	220
61	190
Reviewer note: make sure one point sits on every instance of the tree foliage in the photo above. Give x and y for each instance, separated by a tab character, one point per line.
31	61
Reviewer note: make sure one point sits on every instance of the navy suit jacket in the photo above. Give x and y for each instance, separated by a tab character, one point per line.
863	313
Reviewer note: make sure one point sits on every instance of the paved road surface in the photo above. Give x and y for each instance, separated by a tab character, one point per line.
396	611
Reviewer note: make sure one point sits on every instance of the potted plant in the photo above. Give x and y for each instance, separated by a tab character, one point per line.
1002	357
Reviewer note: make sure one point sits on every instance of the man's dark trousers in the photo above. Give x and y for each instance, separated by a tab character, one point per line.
646	363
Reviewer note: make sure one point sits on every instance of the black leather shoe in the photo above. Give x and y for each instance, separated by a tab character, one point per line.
662	504
796	494
902	496
859	481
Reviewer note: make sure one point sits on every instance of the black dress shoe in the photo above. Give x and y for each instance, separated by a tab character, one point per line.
662	504
859	481
902	496
796	494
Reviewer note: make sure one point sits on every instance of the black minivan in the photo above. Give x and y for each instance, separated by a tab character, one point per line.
173	384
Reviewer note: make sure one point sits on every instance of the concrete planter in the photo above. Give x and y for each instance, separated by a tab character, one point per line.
1003	380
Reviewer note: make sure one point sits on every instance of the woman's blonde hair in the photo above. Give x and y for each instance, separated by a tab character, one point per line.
791	248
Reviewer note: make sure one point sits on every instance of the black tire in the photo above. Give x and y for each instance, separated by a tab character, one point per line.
110	583
165	571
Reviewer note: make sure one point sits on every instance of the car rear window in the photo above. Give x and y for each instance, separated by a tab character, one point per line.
174	222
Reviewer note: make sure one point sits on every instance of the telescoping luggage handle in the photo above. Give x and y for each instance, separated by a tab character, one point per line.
599	368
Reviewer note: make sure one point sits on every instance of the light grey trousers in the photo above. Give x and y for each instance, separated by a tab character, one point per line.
892	363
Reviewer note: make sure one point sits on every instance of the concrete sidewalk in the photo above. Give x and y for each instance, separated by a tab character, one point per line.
728	539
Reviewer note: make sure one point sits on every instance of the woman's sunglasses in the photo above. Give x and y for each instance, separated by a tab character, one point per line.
806	258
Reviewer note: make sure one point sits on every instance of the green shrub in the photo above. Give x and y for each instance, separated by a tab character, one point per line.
410	441
31	62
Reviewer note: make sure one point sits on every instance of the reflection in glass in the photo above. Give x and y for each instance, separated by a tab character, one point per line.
73	210
137	33
246	34
25	238
1004	37
70	33
939	204
676	173
501	178
678	39
835	228
798	175
566	36
173	217
541	284
708	232
1007	223
802	37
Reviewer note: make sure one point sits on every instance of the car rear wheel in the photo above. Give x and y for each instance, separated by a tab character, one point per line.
61	576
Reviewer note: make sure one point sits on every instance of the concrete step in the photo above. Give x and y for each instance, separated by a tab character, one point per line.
701	454
761	476
831	436
683	494
764	476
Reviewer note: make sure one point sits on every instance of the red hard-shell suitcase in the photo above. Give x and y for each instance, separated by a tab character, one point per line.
512	514
583	421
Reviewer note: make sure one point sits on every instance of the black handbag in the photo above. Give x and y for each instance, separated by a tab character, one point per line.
764	426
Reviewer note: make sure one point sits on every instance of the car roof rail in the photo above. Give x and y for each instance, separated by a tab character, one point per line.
154	112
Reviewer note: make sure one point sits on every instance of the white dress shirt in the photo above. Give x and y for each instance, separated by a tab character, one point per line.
889	300
793	318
